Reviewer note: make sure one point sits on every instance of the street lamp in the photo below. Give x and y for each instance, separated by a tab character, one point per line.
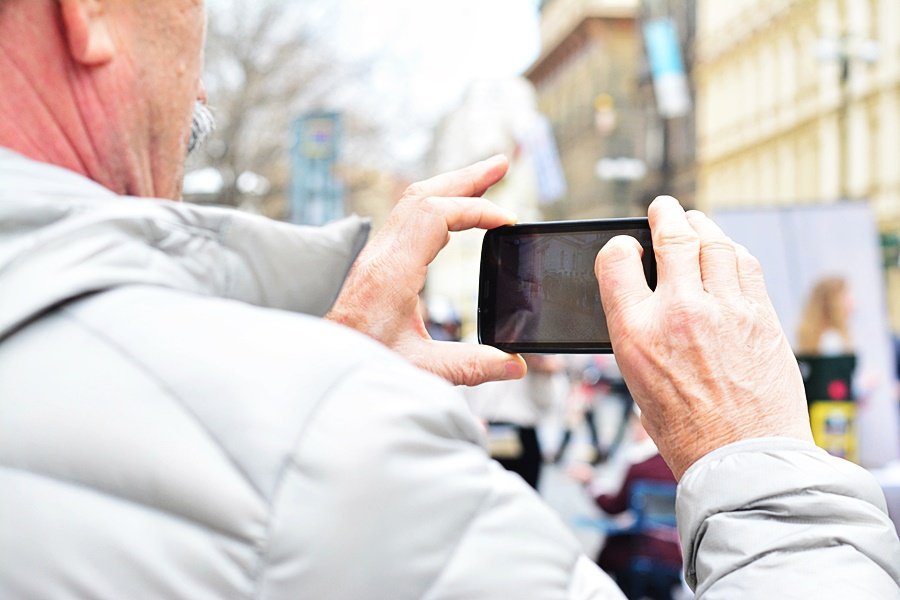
605	115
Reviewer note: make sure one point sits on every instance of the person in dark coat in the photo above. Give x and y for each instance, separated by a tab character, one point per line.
659	548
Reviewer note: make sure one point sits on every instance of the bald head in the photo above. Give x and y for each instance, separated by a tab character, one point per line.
102	87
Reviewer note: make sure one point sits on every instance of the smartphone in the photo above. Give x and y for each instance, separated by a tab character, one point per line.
537	290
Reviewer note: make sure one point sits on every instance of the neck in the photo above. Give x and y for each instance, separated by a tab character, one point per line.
52	109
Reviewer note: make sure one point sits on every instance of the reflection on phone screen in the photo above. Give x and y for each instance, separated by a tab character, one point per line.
547	290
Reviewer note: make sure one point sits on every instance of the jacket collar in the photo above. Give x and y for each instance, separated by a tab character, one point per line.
63	236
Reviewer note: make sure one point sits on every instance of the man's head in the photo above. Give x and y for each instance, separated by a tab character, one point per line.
103	87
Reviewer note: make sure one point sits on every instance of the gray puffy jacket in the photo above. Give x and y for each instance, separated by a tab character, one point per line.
176	421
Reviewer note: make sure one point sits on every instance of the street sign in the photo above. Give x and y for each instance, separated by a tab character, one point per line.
673	97
316	191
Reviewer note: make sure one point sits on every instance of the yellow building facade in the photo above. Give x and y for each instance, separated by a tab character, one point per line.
798	101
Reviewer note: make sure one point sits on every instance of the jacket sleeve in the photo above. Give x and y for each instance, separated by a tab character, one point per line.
390	494
779	518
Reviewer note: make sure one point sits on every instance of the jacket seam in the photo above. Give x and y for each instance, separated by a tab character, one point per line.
258	576
485	501
163	386
130	501
290	463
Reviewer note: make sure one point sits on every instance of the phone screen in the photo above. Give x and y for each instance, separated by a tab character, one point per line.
538	291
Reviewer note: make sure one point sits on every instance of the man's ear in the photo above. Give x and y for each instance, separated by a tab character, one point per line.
87	30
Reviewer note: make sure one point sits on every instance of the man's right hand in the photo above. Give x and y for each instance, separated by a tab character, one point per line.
380	297
704	354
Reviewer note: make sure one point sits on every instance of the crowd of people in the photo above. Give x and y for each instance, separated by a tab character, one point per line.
533	422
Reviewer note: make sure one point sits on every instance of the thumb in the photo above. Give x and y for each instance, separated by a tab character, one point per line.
468	364
620	275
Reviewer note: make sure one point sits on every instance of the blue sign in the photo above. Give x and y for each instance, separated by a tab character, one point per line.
667	68
317	194
662	48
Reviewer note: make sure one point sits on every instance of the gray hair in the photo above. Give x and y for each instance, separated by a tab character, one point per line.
202	123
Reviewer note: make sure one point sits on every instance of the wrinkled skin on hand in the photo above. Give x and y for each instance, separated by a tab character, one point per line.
704	355
381	295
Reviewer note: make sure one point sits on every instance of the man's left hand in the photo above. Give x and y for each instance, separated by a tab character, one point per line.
381	295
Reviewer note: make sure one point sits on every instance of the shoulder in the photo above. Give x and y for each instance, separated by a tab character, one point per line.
254	378
348	471
187	415
391	479
205	340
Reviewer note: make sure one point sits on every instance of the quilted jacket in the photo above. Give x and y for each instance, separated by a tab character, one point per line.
178	421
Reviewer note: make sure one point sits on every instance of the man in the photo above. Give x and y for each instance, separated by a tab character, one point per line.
178	421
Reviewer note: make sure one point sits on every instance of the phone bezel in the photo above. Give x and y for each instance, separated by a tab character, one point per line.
486	318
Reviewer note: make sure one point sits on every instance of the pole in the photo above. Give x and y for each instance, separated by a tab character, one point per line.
844	123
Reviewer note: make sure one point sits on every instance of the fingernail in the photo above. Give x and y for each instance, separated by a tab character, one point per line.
510	216
668	199
514	370
496	159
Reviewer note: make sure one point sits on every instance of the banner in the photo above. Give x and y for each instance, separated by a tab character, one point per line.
673	98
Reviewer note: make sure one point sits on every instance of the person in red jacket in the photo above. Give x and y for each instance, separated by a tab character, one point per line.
657	547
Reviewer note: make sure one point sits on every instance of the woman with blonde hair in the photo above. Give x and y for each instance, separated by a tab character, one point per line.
825	325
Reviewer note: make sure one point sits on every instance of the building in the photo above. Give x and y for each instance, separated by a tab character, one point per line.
798	101
587	85
594	83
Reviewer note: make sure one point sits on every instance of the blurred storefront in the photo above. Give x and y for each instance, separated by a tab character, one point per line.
670	147
798	102
622	141
590	54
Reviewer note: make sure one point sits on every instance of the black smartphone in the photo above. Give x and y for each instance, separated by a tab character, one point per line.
537	290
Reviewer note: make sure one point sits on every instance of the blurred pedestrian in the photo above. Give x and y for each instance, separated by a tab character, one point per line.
599	384
579	411
512	410
825	323
645	562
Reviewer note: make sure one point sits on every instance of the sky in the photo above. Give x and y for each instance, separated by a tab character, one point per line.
424	53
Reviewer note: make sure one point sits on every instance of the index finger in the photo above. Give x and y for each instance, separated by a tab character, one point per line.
469	213
471	181
676	245
426	228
